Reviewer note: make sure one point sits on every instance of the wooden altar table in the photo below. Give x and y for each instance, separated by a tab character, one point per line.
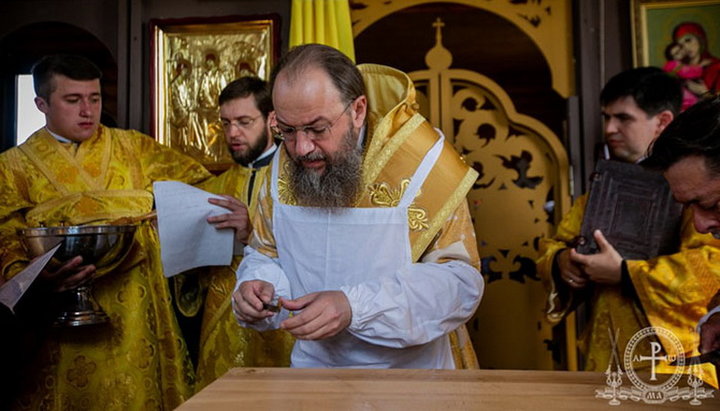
416	390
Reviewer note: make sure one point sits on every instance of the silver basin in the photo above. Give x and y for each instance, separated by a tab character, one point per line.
102	245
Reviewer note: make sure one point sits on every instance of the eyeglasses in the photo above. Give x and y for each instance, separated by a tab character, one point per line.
314	133
241	123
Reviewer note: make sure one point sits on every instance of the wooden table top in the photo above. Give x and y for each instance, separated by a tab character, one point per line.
359	389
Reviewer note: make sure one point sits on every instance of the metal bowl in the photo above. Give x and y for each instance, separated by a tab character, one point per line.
101	245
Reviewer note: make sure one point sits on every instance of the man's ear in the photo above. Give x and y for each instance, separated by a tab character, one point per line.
665	117
41	105
269	123
359	111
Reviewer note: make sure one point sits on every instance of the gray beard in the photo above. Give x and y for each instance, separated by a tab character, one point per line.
338	186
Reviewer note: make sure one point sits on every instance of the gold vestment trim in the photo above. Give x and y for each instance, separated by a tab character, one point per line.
444	213
42	158
375	164
381	194
74	197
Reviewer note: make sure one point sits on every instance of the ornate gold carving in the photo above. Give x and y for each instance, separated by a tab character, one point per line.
520	161
523	169
381	194
193	63
546	23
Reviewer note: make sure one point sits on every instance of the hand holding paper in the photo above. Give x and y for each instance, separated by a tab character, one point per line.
238	218
187	240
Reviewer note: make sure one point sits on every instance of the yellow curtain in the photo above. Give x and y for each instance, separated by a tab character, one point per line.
322	21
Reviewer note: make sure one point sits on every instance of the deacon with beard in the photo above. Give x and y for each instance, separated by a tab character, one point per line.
244	108
363	232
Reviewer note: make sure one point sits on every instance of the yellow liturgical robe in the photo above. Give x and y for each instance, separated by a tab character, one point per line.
138	360
224	344
673	292
398	137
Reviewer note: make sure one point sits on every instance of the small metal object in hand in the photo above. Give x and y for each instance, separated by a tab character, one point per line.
274	305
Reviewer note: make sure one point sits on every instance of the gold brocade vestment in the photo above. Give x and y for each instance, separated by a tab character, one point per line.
224	344
138	360
397	139
673	292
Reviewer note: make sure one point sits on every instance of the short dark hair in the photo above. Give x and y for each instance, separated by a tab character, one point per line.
344	74
695	132
247	86
653	90
69	65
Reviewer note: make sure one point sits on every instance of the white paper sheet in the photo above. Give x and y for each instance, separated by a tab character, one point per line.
187	240
13	290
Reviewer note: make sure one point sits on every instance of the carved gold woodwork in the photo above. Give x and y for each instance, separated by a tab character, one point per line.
547	22
523	181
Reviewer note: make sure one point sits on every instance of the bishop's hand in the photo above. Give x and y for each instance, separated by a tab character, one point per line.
249	301
324	314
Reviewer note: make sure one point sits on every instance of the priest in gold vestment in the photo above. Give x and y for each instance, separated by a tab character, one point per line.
687	154
245	105
669	291
76	171
362	227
